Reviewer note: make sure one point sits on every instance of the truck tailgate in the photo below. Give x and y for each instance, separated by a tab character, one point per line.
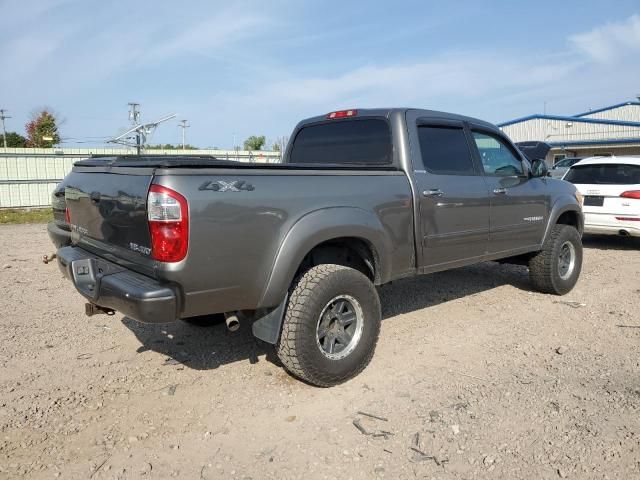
108	212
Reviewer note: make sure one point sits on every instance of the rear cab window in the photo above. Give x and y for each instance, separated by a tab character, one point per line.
604	174
361	141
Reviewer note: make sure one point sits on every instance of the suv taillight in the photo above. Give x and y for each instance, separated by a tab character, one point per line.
631	194
168	215
67	215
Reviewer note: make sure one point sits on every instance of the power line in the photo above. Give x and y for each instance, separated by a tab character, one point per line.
4	131
184	126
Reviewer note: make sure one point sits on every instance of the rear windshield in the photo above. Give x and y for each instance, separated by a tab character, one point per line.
604	174
359	142
566	162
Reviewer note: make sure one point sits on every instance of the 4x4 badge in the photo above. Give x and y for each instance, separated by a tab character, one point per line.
223	186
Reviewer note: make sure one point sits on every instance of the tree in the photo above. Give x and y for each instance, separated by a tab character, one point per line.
280	144
15	140
254	143
169	146
42	130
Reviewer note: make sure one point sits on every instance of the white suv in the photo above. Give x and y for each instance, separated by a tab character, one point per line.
611	189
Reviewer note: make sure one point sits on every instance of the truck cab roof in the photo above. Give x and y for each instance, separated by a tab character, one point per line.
390	112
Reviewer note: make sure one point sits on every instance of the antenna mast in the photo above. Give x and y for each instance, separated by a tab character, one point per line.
134	116
141	130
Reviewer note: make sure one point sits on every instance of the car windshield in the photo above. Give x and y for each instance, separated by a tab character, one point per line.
604	174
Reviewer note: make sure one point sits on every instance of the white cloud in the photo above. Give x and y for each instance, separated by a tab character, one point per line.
611	41
207	37
493	85
260	91
80	51
454	81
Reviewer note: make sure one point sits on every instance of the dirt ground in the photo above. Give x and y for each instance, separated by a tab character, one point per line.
475	376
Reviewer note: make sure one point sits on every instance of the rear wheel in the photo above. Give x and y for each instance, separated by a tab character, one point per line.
331	325
556	268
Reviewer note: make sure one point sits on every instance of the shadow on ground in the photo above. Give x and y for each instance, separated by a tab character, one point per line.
611	242
413	294
205	348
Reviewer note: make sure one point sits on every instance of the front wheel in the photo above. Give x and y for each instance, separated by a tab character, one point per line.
556	268
331	325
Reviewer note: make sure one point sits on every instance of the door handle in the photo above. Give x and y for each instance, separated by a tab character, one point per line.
434	192
499	191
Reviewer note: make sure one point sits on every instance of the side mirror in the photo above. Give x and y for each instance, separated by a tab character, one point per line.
539	168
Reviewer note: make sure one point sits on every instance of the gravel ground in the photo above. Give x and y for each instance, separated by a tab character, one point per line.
475	376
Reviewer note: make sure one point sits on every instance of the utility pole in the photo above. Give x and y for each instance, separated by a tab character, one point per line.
4	131
134	116
184	126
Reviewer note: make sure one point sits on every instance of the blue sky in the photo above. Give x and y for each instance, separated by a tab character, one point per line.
251	68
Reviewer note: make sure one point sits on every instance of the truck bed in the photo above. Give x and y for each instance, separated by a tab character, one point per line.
237	232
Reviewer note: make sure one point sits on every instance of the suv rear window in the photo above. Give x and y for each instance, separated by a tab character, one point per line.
362	142
604	174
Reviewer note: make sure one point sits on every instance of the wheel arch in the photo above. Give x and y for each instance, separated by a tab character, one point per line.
566	211
326	234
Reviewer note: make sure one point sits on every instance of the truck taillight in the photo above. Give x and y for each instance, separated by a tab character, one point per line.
168	214
342	114
631	194
67	215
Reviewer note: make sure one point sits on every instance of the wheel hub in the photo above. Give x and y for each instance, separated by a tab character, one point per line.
566	260
339	327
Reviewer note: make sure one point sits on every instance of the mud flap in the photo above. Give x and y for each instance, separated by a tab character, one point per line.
267	327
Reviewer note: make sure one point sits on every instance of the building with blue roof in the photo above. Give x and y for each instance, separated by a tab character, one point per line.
612	130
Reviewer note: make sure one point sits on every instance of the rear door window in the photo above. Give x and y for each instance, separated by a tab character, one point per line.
445	150
604	174
359	142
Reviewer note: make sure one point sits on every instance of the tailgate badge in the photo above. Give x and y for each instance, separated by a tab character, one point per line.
139	248
82	270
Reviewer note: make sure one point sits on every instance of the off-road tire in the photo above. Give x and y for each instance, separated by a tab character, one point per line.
543	267
297	347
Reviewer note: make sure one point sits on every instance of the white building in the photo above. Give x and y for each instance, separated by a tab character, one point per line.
613	130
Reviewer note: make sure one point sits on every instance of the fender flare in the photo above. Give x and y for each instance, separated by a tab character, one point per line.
315	228
564	203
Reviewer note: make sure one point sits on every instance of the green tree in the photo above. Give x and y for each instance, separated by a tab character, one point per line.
169	146
254	143
15	140
42	130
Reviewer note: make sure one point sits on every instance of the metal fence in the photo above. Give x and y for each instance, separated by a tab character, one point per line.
29	175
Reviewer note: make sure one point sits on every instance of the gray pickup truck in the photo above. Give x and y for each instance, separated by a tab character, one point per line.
362	197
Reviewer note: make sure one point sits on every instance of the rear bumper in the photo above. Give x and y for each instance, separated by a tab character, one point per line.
60	236
607	224
109	285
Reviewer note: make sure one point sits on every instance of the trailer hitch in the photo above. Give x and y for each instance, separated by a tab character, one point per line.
49	258
91	309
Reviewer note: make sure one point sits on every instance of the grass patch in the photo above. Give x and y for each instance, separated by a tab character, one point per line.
25	215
